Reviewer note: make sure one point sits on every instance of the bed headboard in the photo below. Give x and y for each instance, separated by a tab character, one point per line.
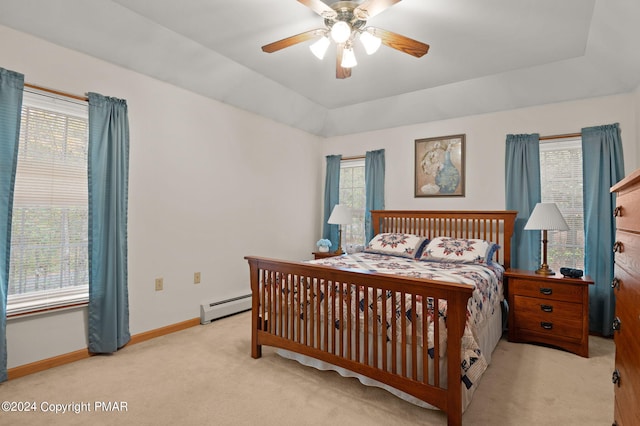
495	226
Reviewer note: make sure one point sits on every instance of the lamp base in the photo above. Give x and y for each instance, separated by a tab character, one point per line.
544	270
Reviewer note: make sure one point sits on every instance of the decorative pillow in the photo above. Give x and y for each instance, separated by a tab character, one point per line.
395	244
459	250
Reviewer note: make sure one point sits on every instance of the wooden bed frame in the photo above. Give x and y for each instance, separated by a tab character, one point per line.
278	319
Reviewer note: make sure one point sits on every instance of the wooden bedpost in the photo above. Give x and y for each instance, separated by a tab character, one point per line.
455	330
256	349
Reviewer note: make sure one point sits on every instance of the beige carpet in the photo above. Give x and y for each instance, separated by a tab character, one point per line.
205	376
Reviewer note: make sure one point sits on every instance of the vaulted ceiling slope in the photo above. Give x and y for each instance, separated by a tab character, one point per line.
485	56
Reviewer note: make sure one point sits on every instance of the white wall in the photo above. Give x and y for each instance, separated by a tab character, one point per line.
485	146
209	184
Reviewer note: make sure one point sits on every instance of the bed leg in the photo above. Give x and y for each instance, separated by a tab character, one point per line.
256	349
454	417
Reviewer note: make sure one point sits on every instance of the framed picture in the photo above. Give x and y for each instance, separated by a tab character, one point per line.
439	167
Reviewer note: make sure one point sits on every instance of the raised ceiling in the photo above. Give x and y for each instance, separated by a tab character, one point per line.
485	55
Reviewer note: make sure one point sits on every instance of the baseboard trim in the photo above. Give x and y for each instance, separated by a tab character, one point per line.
147	335
56	361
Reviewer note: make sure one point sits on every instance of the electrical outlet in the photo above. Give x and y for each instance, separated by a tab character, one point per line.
196	277
159	284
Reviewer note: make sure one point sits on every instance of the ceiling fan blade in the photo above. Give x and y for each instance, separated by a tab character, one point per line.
400	42
290	41
320	8
372	7
341	72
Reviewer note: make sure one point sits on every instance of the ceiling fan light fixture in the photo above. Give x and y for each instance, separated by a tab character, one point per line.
370	42
348	58
319	48
340	32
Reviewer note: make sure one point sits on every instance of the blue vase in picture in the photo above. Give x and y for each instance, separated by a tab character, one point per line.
448	177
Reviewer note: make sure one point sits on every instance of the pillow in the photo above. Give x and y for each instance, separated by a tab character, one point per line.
459	250
395	244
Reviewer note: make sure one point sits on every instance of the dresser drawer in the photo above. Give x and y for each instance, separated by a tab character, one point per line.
549	317
547	290
626	338
627	290
626	393
623	416
628	216
628	254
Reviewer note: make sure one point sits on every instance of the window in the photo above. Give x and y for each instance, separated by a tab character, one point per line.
49	236
352	194
561	183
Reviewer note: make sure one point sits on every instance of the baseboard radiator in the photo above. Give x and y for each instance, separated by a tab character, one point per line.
214	310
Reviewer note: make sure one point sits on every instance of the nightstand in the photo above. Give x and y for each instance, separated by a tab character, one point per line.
323	254
549	309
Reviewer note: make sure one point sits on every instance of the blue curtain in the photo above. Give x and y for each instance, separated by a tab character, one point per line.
374	188
331	198
522	193
11	89
108	199
602	168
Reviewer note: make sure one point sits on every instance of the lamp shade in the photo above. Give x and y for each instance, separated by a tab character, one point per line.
319	48
370	42
340	215
546	216
348	58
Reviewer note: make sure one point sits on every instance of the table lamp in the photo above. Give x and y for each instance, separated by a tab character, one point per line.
340	215
545	217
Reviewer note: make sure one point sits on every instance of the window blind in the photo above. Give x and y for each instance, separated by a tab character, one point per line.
561	183
49	237
352	194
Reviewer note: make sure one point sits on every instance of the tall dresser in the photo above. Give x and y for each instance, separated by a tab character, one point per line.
626	285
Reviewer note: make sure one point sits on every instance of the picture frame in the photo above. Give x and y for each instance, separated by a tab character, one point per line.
439	166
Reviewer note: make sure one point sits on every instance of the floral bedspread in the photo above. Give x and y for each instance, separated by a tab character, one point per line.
485	300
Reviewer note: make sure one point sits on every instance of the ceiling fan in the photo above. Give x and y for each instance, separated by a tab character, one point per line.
344	22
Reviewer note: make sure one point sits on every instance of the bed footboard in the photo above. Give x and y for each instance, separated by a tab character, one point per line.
385	327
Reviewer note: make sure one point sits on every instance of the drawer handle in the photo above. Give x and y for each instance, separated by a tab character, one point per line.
616	324
546	291
617	212
546	325
617	247
615	378
615	283
546	308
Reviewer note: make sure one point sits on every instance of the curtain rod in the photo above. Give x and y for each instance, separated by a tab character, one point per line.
542	138
57	92
567	136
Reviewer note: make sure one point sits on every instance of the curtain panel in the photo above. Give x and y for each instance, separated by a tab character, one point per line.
522	193
108	202
11	90
603	167
374	171
331	198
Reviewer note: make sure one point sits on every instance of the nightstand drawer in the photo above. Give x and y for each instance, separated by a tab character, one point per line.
550	317
546	290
